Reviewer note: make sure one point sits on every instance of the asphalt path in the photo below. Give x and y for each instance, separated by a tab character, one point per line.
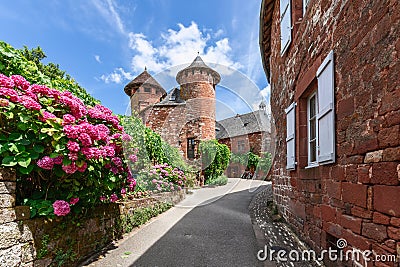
211	227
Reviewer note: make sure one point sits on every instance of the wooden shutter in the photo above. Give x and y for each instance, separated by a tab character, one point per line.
326	111
290	137
286	24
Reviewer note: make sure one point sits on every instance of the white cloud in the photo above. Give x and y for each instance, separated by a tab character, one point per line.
118	76
97	58
108	10
266	92
177	47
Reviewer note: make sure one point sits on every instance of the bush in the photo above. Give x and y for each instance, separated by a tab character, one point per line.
27	63
62	149
215	158
220	180
153	151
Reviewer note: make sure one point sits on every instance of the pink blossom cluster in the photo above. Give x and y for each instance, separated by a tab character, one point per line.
105	114
48	163
61	208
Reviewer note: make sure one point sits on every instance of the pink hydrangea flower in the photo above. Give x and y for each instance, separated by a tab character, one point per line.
58	160
85	139
73	201
83	167
46	163
68	119
70	169
61	208
11	93
20	82
133	158
73	156
73	146
126	137
71	131
113	198
103	198
123	191
6	82
47	116
29	103
117	161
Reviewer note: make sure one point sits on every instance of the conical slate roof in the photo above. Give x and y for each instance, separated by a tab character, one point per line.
198	63
142	78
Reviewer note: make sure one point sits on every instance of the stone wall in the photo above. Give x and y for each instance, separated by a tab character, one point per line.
66	240
357	197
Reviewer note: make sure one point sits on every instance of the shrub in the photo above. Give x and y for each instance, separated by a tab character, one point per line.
215	158
220	180
61	148
27	63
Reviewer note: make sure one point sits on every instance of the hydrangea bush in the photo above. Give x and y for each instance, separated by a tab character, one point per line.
162	178
66	153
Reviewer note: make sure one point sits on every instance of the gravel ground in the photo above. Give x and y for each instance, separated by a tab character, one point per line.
278	236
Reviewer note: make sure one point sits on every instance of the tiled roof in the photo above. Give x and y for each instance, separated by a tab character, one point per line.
252	122
142	78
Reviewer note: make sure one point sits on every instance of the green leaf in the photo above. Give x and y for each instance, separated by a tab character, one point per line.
24	162
27	170
33	155
66	161
22	126
38	148
24	142
9	161
54	155
15	137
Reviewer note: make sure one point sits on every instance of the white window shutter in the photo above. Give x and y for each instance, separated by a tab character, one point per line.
286	24
326	111
290	137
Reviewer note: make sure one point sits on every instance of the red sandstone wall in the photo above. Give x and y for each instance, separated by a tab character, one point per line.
358	197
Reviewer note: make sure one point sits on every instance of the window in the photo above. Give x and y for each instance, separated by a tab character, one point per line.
286	24
290	137
305	4
190	148
312	111
147	89
241	146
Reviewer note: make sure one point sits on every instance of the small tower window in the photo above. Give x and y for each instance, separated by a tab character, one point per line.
147	89
191	144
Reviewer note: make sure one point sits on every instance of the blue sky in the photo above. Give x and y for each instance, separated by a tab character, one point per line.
103	44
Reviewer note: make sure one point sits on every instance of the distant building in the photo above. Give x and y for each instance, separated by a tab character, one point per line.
186	115
334	71
244	133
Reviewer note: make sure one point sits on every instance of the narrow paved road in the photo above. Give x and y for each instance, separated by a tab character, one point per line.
211	227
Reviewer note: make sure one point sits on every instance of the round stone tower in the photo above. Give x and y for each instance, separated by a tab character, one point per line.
144	91
197	87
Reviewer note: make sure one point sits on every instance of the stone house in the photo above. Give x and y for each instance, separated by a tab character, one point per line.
186	115
334	71
244	133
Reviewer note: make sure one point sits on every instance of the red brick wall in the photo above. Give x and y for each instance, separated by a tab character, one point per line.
358	197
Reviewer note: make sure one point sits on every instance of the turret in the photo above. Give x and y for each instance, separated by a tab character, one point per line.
144	91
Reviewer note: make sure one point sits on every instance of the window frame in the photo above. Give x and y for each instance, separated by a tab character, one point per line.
241	145
147	90
316	140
